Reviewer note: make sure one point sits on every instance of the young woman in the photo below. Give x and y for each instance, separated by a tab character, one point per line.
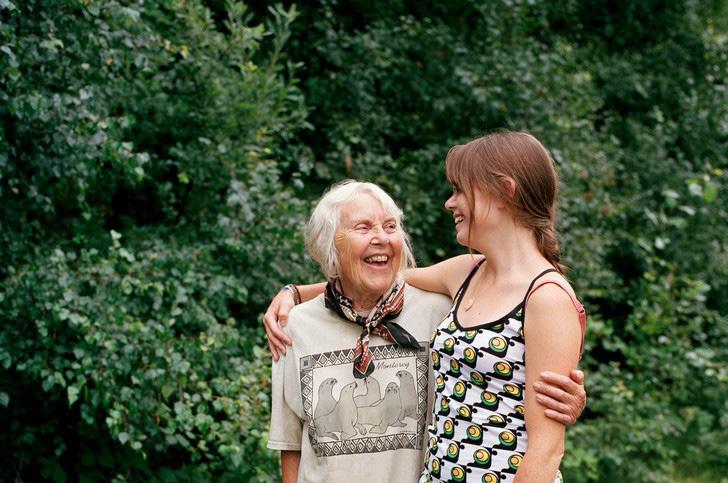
511	305
514	315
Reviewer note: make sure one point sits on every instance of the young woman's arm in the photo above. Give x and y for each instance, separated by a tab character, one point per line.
553	338
444	277
289	466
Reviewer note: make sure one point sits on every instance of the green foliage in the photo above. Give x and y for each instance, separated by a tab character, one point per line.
157	160
146	344
158	122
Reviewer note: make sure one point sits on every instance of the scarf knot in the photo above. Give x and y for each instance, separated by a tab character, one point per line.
379	321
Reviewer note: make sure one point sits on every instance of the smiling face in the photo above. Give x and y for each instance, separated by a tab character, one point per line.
369	243
469	222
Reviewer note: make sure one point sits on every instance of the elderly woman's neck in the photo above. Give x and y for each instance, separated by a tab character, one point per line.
364	304
361	300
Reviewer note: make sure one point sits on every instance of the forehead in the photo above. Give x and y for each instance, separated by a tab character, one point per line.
364	207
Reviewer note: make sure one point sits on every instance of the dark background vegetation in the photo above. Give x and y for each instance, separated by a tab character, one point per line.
158	159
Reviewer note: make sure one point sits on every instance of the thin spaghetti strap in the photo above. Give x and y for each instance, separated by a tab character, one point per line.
530	287
465	283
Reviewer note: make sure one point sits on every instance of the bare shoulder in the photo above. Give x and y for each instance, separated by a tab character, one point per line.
549	297
552	295
464	263
459	268
551	329
419	295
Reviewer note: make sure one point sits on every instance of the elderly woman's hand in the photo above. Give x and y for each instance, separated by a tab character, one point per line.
564	397
275	318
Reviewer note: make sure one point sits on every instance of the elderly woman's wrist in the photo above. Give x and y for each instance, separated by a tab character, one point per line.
293	290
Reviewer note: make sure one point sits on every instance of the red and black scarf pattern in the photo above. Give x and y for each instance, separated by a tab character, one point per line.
379	321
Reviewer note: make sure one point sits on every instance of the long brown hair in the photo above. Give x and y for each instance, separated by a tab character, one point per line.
487	161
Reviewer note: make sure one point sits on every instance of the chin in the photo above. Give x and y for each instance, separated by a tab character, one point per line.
380	284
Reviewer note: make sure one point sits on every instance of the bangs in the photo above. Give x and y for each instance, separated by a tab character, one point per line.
455	165
460	172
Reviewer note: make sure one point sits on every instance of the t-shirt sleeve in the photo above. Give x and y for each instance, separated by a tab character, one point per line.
286	428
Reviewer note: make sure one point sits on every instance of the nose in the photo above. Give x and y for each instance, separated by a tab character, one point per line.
380	235
450	203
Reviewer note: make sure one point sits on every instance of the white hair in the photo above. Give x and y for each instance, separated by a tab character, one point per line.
325	219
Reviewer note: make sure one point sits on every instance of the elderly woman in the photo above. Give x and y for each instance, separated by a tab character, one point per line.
352	395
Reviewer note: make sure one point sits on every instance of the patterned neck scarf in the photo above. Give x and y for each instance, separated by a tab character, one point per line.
379	321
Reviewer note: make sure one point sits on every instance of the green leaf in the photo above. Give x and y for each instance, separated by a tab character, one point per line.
72	394
710	192
167	390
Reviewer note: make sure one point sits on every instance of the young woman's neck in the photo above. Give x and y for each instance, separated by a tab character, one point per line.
511	250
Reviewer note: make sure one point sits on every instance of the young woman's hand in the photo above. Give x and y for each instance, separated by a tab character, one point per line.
275	318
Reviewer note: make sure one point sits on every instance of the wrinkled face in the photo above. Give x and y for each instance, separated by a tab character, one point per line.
465	220
369	243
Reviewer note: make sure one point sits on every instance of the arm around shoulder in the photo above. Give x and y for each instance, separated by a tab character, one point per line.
444	277
276	316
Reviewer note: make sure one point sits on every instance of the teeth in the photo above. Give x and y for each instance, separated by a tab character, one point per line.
459	218
377	258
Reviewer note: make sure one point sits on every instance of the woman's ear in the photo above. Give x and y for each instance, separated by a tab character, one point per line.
510	185
510	190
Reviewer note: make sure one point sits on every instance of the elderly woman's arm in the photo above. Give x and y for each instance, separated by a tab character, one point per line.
563	396
285	432
553	338
290	460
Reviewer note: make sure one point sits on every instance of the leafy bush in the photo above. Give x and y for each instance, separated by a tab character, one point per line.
137	177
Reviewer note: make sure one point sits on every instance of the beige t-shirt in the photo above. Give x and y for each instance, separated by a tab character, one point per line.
347	429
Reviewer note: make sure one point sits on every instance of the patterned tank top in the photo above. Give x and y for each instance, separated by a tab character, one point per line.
478	430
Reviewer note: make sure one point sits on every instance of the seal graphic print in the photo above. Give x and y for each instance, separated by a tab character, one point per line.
385	411
326	402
